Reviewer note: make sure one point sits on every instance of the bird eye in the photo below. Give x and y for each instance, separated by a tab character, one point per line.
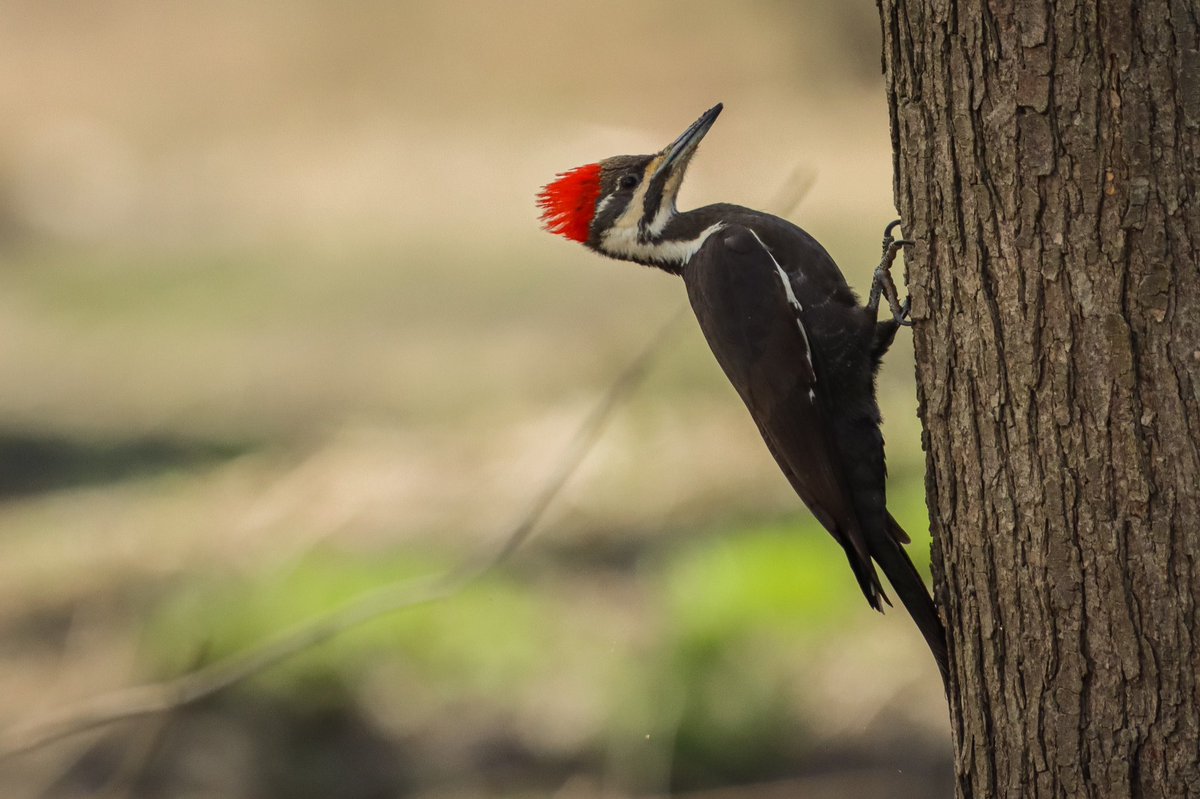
629	181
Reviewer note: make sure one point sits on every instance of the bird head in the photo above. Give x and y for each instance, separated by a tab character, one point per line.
623	206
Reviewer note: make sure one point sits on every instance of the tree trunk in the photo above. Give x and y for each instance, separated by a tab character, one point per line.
1047	161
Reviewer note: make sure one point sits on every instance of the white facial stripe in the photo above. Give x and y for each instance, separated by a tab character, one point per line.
604	203
626	225
792	301
623	242
666	208
662	217
634	211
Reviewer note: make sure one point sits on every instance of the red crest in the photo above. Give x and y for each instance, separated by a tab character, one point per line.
569	203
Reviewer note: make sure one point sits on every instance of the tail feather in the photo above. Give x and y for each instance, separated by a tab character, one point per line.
868	579
911	590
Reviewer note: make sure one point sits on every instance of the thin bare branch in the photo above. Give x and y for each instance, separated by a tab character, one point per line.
165	696
161	697
792	191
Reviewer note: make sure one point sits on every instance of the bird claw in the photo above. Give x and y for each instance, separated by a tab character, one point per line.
884	285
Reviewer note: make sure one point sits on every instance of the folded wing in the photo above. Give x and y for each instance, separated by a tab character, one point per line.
754	325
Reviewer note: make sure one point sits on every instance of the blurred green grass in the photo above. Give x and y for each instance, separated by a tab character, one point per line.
784	578
730	617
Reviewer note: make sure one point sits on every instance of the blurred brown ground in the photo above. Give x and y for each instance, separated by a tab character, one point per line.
271	284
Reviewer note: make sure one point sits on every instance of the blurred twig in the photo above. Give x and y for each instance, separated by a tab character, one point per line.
792	191
165	696
162	697
138	758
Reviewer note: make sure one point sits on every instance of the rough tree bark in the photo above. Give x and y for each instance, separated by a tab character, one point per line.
1047	161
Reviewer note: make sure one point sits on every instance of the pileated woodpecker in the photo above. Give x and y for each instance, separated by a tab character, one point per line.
788	332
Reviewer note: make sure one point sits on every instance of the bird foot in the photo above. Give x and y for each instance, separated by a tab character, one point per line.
884	285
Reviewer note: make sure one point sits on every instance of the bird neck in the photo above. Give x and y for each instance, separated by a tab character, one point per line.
670	248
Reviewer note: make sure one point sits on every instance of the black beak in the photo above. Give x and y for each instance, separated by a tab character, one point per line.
680	151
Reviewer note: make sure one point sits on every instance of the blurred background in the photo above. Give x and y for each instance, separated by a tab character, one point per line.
278	326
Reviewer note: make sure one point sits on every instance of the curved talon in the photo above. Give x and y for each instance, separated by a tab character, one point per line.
889	291
882	285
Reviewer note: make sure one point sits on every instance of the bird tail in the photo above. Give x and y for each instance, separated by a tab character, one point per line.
910	588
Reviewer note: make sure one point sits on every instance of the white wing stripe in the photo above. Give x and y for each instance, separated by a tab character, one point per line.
792	301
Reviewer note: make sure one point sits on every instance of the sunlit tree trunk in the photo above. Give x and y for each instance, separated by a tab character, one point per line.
1047	162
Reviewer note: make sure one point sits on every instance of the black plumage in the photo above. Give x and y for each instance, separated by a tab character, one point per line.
805	371
787	330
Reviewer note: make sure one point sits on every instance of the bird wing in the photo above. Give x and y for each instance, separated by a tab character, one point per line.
754	325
